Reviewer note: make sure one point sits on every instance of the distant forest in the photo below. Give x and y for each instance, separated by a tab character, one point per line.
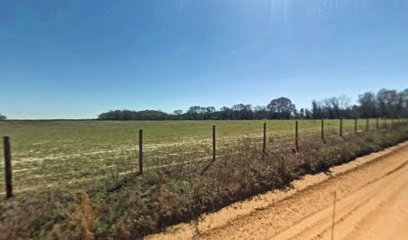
384	104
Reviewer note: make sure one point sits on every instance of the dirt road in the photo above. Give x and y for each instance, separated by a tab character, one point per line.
371	203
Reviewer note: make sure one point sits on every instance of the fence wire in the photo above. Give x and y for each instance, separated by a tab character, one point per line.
60	161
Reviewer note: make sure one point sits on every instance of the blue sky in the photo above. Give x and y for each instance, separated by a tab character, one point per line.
76	59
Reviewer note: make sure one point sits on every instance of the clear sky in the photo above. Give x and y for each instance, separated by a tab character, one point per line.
76	59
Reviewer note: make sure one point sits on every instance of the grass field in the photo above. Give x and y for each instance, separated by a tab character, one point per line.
66	153
79	178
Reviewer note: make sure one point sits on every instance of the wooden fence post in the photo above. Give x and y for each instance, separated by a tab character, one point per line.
355	125
264	139
377	123
367	124
341	127
322	131
7	167
214	142
140	151
296	135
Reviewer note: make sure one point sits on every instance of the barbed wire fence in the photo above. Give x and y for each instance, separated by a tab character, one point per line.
31	174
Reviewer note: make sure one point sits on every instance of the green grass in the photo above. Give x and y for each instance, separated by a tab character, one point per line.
78	178
65	153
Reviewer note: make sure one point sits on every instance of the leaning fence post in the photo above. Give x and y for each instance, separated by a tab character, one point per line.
264	139
322	131
296	135
140	150
7	167
214	142
341	127
355	125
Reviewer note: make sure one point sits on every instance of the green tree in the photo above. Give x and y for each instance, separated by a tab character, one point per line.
178	113
281	108
368	103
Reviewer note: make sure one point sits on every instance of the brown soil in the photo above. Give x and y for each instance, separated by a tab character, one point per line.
87	216
372	203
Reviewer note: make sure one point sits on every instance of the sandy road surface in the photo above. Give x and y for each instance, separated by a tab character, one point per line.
372	203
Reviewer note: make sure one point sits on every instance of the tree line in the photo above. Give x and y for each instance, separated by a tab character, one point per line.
383	104
2	117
